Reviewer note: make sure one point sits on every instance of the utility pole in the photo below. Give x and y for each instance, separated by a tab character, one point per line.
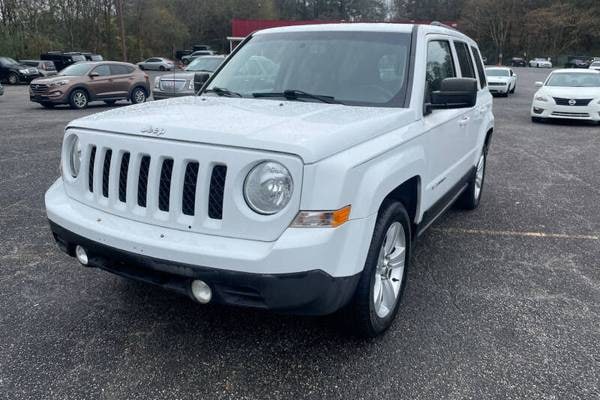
122	25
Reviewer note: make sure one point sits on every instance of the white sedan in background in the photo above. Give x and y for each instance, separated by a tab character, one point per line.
540	63
568	94
501	80
595	65
157	64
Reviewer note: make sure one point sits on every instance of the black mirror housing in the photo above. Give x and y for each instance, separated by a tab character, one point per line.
455	93
200	79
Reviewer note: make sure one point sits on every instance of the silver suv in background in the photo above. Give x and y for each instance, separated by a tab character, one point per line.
182	83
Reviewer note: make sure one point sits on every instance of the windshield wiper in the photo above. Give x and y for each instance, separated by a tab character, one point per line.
293	94
223	92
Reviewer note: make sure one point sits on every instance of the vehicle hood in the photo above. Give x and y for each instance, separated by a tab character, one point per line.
571	92
55	78
310	130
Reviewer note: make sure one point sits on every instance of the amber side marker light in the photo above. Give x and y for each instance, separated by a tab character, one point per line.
322	219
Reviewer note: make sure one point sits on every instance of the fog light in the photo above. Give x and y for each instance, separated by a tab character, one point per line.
538	110
201	291
81	255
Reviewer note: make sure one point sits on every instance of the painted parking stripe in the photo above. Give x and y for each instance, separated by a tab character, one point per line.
516	233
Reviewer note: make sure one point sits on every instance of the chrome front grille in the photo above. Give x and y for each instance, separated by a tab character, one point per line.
572	102
38	88
172	85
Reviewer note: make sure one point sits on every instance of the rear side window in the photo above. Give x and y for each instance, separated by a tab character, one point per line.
440	64
479	65
119	69
464	60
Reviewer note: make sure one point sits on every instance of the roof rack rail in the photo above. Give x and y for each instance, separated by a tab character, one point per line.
438	23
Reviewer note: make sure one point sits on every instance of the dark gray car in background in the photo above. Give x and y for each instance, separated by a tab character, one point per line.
182	83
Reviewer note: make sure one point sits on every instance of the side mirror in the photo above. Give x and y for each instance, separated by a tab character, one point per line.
94	74
539	84
200	79
454	93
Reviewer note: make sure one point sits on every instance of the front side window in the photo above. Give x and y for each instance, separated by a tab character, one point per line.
464	60
440	64
78	69
354	68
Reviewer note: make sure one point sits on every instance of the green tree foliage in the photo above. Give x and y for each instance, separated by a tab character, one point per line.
158	27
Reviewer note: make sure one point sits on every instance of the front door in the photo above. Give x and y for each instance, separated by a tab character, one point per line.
101	85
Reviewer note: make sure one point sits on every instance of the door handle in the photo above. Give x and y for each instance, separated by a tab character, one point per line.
463	121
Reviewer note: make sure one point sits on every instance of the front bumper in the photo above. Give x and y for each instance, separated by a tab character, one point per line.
503	89
311	292
548	109
306	271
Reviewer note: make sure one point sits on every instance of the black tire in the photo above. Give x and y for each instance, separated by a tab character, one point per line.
361	311
513	89
142	67
79	99
47	105
13	78
138	95
110	102
161	68
470	198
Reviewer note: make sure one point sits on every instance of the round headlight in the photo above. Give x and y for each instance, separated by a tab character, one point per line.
75	156
268	188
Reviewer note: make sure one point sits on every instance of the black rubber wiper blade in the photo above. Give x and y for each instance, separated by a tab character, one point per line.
293	94
223	92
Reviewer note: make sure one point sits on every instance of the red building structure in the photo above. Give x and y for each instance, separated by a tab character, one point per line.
240	28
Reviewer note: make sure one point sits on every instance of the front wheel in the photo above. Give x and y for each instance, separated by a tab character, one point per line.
78	99
13	78
381	285
161	68
470	198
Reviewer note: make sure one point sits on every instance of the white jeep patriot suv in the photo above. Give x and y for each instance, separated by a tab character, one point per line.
296	180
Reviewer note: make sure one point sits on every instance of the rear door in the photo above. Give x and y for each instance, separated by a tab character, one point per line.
122	79
472	115
484	102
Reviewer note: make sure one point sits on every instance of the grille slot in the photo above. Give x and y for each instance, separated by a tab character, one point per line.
123	177
91	170
188	198
216	192
164	189
143	181
106	172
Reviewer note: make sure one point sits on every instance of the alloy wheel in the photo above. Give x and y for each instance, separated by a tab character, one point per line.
479	176
390	270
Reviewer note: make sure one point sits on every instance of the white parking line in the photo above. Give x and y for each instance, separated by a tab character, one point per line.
516	233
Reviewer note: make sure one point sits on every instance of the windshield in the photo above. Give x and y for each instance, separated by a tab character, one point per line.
574	80
208	64
355	68
497	72
78	57
78	69
7	60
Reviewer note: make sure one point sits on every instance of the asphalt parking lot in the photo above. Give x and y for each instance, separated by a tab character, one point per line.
501	303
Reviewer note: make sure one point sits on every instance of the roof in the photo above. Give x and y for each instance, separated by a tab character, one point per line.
343	27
